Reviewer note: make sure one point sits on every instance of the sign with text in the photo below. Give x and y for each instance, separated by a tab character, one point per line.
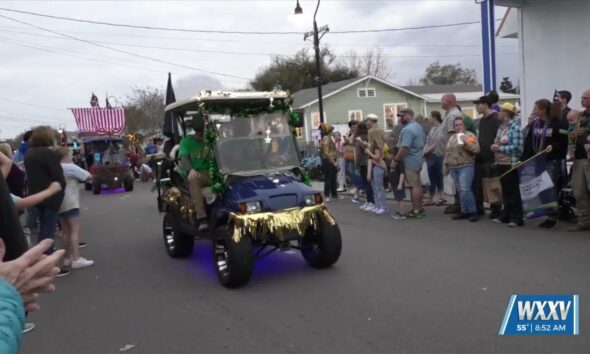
542	315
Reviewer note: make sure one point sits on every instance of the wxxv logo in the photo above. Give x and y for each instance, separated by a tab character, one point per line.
542	315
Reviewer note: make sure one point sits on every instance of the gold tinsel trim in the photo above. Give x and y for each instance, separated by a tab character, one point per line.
174	199
278	223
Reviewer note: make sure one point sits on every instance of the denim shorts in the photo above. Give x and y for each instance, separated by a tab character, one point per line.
72	213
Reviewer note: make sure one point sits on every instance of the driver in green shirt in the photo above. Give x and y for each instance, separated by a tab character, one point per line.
193	154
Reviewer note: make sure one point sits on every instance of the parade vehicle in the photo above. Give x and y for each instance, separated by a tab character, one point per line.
109	164
100	131
259	199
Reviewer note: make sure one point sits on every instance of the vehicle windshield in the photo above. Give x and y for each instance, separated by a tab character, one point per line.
255	143
107	151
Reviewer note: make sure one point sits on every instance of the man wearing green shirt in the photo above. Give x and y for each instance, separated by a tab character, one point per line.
194	154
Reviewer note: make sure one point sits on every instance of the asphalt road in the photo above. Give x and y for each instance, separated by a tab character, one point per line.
413	286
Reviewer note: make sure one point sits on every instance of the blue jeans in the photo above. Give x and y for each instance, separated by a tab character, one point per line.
463	178
47	224
351	173
378	188
435	174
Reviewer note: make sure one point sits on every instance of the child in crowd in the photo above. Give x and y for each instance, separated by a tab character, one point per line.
574	129
69	211
396	179
377	170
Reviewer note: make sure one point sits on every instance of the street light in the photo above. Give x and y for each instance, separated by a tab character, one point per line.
316	45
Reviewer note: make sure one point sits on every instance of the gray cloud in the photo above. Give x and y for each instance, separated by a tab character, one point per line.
56	80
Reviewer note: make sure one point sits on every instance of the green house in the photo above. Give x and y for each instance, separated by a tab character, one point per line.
354	99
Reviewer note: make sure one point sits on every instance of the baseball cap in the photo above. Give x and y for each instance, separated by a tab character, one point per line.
484	99
509	107
372	117
404	111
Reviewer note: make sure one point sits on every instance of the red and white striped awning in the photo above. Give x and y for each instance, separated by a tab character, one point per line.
102	121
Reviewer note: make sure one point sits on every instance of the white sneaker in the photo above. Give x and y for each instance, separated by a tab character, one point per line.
327	199
67	262
364	206
380	211
29	326
82	263
370	207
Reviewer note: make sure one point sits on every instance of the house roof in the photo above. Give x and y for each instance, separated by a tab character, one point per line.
302	97
307	97
432	89
468	96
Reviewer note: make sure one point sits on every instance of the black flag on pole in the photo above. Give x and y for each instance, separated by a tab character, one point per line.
94	101
170	126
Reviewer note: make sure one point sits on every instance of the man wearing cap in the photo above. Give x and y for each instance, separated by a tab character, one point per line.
193	153
484	160
581	168
411	145
372	120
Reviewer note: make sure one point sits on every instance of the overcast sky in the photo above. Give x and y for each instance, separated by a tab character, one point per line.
65	72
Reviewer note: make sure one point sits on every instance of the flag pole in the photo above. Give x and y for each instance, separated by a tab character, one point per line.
547	149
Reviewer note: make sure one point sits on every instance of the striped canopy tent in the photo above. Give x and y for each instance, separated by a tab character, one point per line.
99	121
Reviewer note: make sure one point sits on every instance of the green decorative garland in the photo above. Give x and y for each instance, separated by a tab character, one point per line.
217	178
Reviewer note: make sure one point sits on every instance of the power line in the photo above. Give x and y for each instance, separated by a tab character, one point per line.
5	40
144	27
15	111
174	29
125	52
240	41
249	53
31	104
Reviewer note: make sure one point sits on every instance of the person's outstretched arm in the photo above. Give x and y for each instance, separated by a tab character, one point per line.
32	200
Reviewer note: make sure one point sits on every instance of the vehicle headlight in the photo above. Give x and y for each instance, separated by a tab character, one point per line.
313	199
250	207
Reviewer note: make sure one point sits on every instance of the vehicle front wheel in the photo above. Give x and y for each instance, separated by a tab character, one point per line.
234	261
178	245
96	187
321	247
128	184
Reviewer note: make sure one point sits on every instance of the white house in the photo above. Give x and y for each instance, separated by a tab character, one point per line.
554	47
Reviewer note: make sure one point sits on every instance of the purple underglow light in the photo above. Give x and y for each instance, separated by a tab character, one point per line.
107	191
276	265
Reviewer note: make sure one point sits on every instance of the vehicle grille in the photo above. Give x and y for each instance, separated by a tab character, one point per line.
284	201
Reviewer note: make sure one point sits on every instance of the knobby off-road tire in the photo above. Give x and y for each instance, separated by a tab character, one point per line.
178	245
96	187
128	184
234	261
321	247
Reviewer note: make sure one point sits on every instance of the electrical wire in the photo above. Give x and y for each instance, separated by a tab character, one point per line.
31	104
49	50
174	29
241	41
260	54
125	52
